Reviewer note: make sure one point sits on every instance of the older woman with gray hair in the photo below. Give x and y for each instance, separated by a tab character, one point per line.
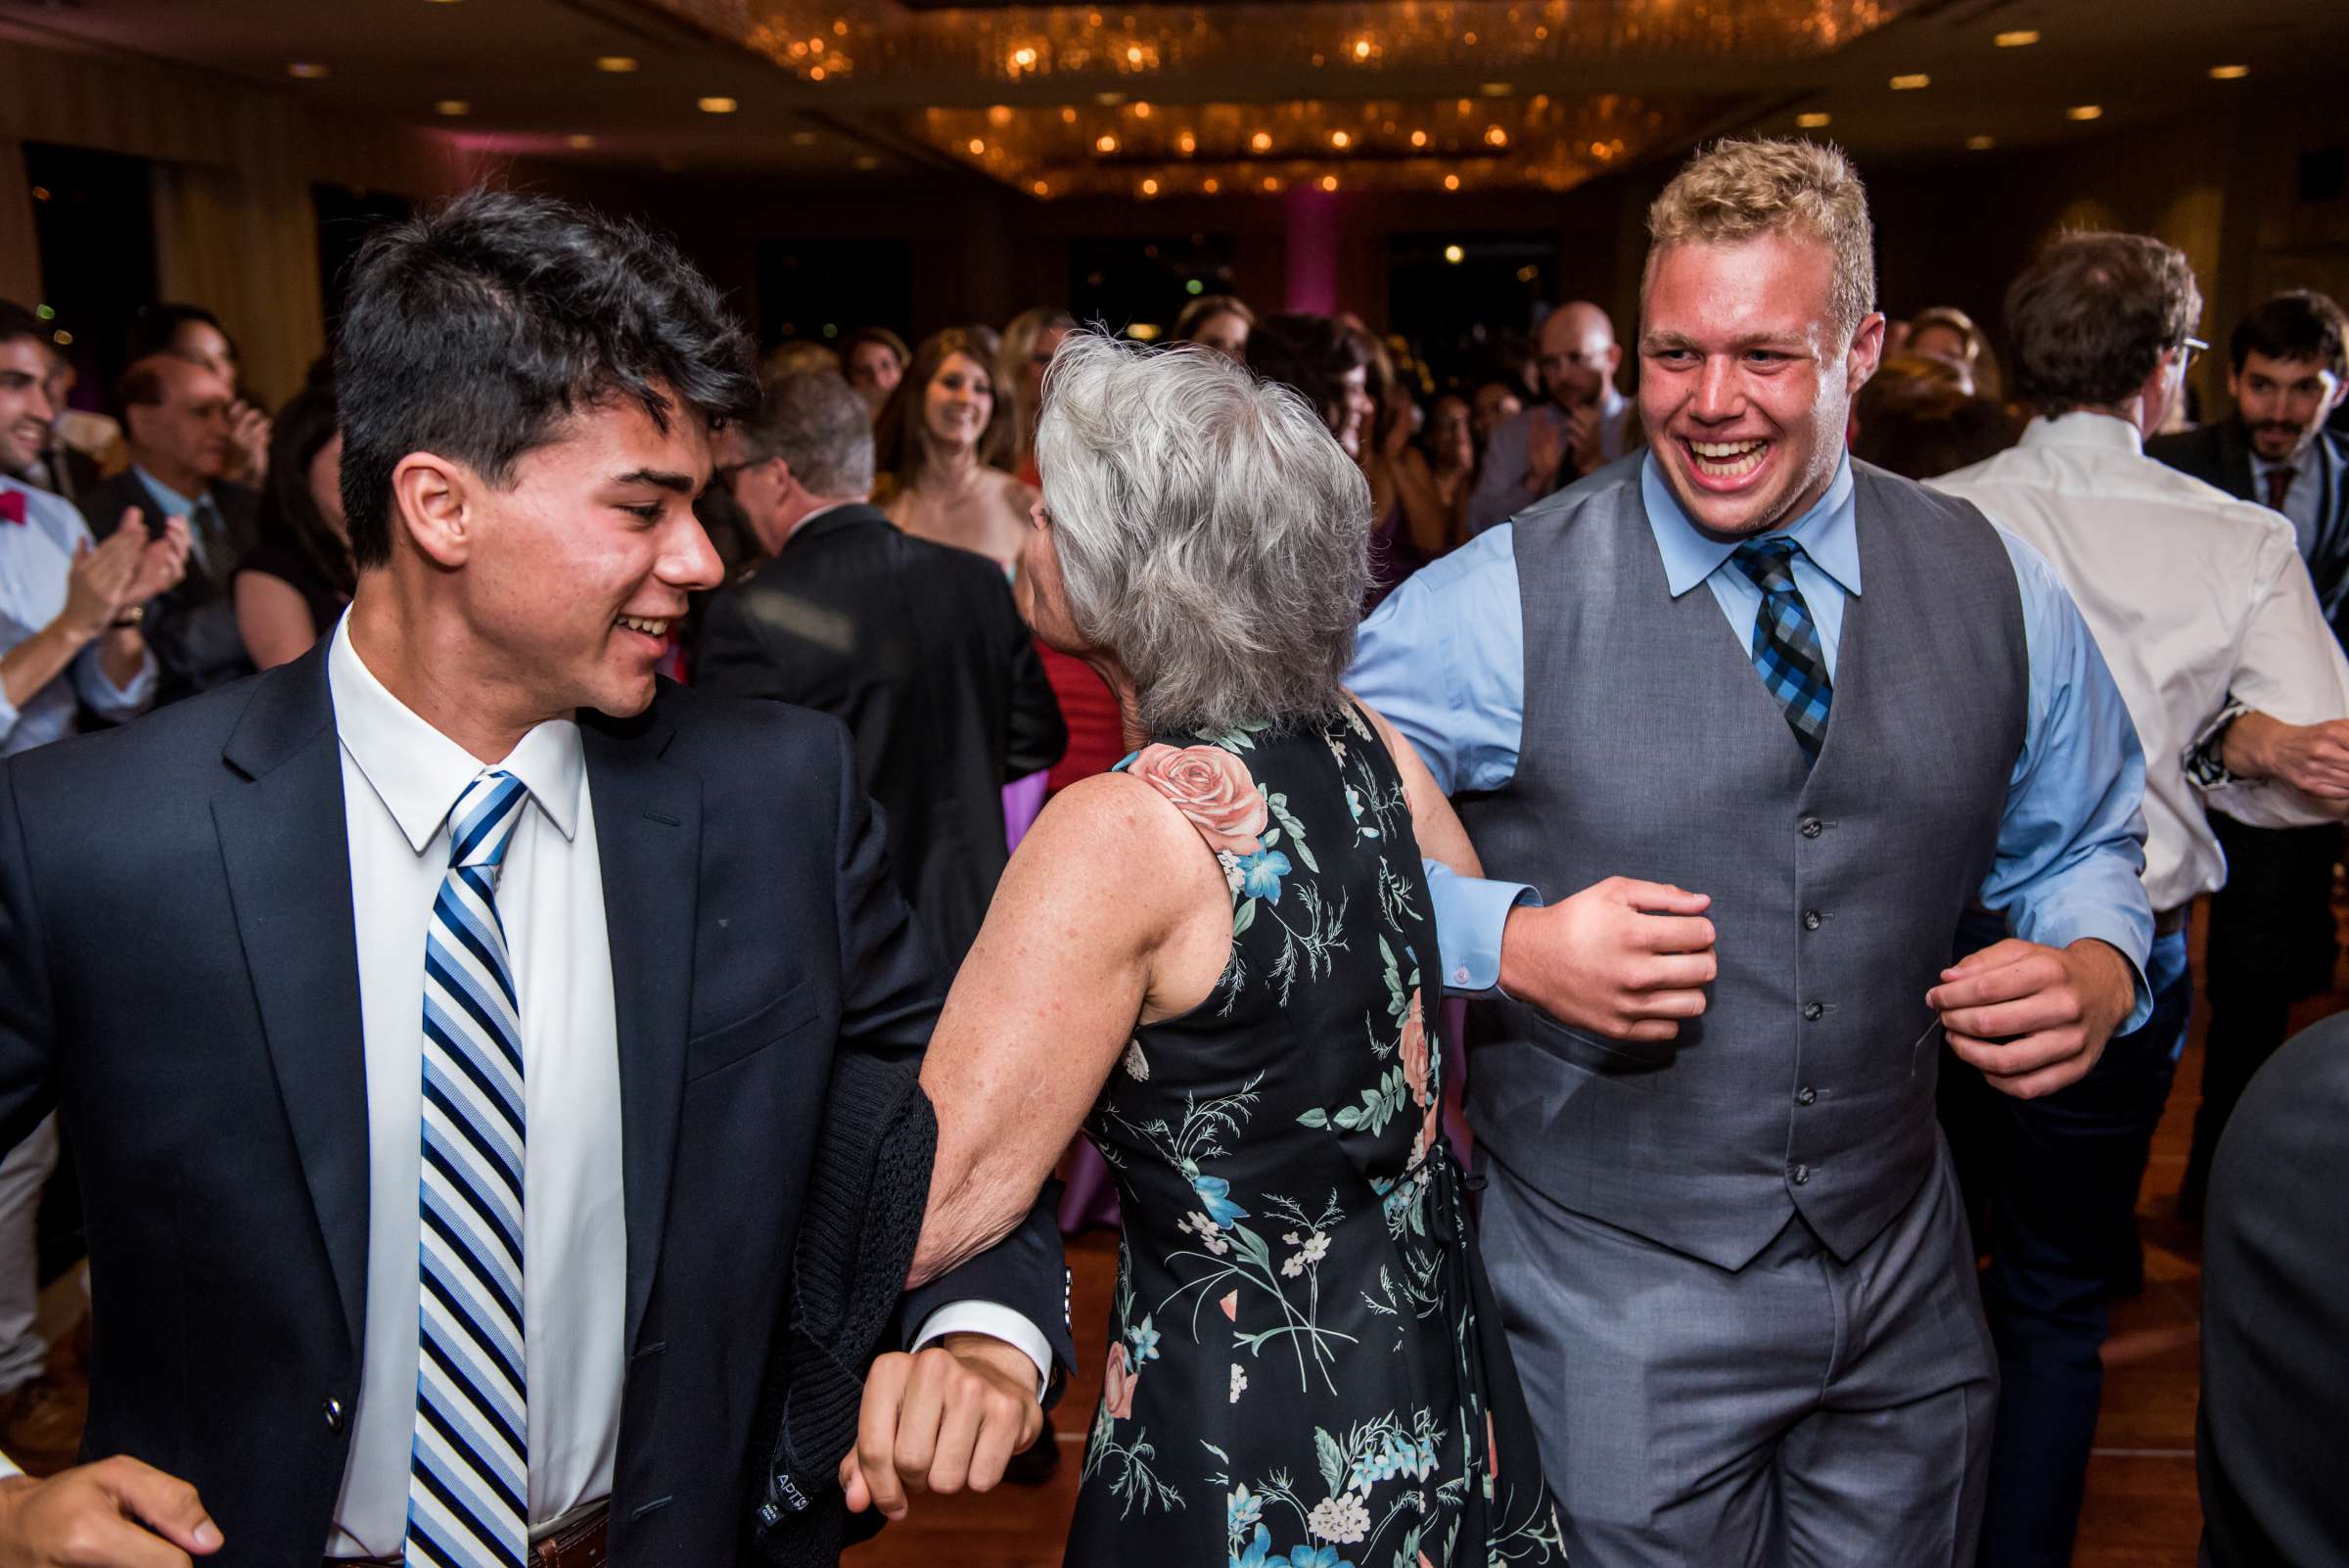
1220	962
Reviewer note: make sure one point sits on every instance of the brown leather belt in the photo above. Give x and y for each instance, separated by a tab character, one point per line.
577	1546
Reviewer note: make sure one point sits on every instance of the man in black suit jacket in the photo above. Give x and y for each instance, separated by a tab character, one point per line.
916	647
2276	1316
2270	926
224	961
176	422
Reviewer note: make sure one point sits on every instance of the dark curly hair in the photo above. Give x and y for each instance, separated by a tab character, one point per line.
2301	324
473	331
1314	355
2093	314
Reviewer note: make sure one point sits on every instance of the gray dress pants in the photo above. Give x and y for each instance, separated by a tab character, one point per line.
1798	1411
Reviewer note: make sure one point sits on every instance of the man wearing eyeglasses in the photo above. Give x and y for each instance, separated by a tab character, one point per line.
2206	616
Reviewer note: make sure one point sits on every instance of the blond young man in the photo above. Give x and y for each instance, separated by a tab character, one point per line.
1765	722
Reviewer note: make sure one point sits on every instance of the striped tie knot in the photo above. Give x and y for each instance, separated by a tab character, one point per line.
481	823
1769	562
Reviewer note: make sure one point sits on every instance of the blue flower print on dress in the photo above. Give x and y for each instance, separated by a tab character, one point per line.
1261	874
1259	1552
1316	1558
1215	1194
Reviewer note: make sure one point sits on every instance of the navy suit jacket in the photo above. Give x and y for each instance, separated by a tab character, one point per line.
179	980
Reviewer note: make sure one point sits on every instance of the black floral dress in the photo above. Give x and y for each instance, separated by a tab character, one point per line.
1307	1369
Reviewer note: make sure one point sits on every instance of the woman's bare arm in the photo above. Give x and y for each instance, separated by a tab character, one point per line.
1433	821
1111	912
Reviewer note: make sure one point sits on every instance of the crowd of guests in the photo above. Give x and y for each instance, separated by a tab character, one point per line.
877	514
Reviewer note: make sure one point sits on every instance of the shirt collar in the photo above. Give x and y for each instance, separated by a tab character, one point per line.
2105	432
174	503
1828	534
419	773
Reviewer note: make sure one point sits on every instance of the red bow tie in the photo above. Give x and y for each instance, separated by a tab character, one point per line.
12	506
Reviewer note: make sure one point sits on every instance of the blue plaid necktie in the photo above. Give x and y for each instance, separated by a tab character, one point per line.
469	1476
1786	648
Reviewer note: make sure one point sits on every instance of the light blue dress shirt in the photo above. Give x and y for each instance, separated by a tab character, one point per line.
204	523
36	560
1443	658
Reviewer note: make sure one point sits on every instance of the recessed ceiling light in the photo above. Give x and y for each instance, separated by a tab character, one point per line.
2020	38
615	65
2228	73
578	141
716	106
1149	187
1910	81
1497	89
452	107
1418	138
1260	142
1329	182
1815	119
1454	254
2085	112
1494	136
1980	143
1341	140
1452	182
306	69
1210	185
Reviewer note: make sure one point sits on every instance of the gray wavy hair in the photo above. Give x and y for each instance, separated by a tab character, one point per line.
1212	533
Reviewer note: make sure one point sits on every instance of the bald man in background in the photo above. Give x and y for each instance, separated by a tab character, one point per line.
1586	425
178	423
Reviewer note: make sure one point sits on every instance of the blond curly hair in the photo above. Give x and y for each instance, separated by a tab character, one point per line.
1738	189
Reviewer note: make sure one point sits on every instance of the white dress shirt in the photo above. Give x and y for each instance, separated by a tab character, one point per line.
2193	596
400	779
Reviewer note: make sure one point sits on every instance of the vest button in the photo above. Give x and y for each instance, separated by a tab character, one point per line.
1804	1095
1802	1174
334	1415
1812	919
1815	1011
1813	827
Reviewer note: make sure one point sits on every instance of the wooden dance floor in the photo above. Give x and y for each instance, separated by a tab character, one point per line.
2141	1509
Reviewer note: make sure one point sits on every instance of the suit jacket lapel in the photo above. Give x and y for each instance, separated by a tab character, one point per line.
648	829
288	857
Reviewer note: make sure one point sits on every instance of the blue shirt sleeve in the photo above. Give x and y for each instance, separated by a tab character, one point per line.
2072	844
1444	659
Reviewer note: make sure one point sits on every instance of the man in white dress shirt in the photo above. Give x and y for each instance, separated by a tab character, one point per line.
2206	616
445	1145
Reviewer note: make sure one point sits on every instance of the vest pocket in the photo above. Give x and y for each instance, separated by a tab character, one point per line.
1624	1062
1924	1042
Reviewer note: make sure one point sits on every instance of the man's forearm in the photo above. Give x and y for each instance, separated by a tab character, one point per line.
2248	748
27	669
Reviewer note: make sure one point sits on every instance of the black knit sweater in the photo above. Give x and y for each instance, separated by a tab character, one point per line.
866	1194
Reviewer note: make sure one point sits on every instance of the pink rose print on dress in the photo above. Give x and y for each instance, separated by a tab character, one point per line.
1414	1051
1212	787
1118	1384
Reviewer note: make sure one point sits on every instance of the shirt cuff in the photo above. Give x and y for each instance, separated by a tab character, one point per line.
2205	757
8	716
1470	912
2117	929
996	1321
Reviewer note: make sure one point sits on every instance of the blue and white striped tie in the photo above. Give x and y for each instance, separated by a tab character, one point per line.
469	1478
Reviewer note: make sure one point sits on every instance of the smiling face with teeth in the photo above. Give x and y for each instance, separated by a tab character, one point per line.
554	591
1745	382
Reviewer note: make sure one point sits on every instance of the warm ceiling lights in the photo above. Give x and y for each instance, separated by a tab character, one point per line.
978	147
1454	254
1815	119
615	65
452	107
578	141
1149	187
1497	89
1105	143
1910	81
868	163
1494	136
1980	143
306	69
1043	188
1186	144
1341	140
1272	184
1329	182
1210	185
716	106
2228	73
2084	112
1260	142
1418	138
2020	38
1452	182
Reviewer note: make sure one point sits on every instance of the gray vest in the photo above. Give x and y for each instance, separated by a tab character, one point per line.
1651	750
